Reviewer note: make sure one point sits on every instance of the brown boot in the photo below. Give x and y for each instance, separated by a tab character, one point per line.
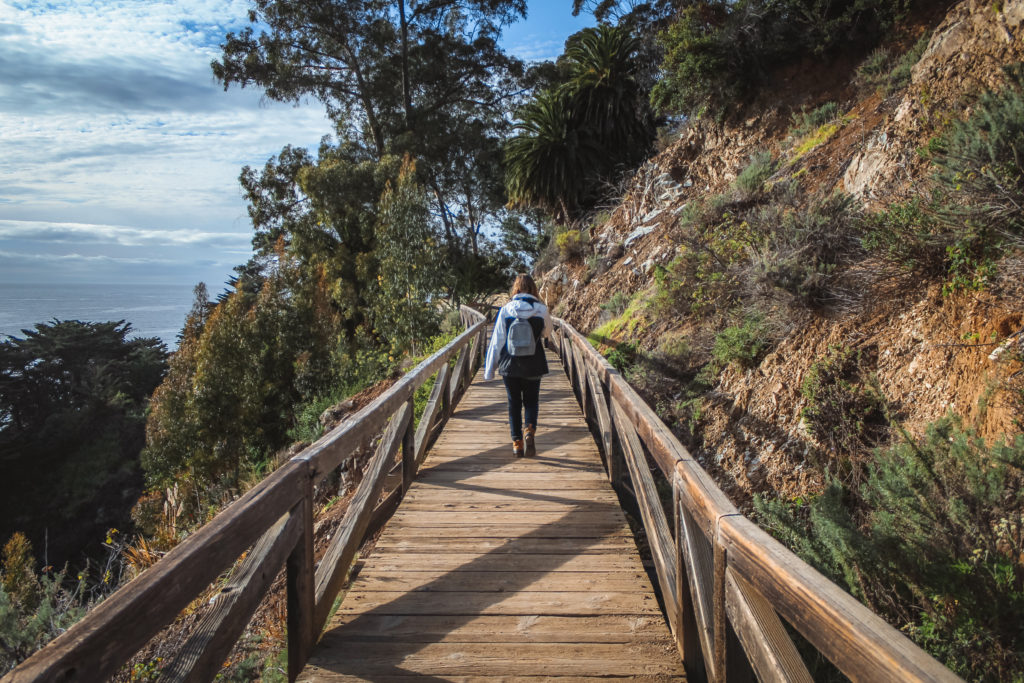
517	448
531	443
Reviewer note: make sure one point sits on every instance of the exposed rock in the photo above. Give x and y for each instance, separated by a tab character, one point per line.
640	232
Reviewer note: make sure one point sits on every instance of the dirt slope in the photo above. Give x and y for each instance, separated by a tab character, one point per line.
930	352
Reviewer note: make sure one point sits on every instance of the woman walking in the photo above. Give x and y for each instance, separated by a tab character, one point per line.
517	352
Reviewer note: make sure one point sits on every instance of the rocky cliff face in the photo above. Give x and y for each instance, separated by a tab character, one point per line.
931	353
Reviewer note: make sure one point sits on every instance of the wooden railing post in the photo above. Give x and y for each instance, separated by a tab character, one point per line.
335	565
409	462
687	635
301	589
432	414
651	512
446	393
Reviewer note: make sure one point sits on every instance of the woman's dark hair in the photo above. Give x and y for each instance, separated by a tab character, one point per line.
524	284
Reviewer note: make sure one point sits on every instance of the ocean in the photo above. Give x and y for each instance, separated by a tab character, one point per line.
152	310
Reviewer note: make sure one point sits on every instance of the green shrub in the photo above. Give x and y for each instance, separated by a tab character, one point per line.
703	279
909	235
743	344
976	212
981	162
805	122
845	409
873	72
750	182
717	52
570	245
674	351
933	539
33	609
804	247
900	74
623	355
702	72
887	74
617	304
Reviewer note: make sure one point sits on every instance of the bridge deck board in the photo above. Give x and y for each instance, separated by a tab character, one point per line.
494	567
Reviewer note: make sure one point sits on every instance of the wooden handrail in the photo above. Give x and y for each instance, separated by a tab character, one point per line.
275	519
725	582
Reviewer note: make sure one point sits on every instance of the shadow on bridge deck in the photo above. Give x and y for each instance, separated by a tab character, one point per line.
495	567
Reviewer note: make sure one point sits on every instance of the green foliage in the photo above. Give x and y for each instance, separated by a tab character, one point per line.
703	279
570	245
981	165
874	70
579	134
429	81
908	234
307	427
702	72
845	409
33	609
549	163
717	52
73	395
933	539
819	136
229	397
822	531
976	211
743	344
750	182
886	74
622	355
409	274
617	304
803	248
805	122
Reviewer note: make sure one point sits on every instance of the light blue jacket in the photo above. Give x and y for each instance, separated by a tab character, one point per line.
521	306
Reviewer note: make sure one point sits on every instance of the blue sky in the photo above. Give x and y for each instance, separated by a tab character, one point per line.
121	153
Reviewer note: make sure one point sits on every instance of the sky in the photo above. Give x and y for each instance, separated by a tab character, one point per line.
121	154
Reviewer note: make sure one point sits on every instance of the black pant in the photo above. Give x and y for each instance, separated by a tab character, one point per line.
522	393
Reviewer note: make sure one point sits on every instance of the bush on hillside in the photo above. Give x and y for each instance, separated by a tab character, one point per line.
751	180
34	609
570	245
909	235
744	344
845	410
975	215
718	52
617	304
804	248
805	122
981	162
933	538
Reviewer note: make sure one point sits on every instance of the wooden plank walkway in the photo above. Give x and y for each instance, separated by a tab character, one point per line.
495	567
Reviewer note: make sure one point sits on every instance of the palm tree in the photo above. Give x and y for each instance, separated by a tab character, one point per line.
548	162
571	139
605	96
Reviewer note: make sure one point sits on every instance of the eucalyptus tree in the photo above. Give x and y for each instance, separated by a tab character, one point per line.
424	77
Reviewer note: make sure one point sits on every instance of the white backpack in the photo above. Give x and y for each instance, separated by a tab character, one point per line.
520	341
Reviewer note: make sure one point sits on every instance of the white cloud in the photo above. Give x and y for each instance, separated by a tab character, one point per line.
73	233
113	132
82	258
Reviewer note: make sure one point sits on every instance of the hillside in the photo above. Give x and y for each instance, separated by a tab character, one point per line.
771	283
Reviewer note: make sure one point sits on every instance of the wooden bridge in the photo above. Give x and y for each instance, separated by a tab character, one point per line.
494	567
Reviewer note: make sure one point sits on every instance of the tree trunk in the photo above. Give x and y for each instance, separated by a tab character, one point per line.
406	95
